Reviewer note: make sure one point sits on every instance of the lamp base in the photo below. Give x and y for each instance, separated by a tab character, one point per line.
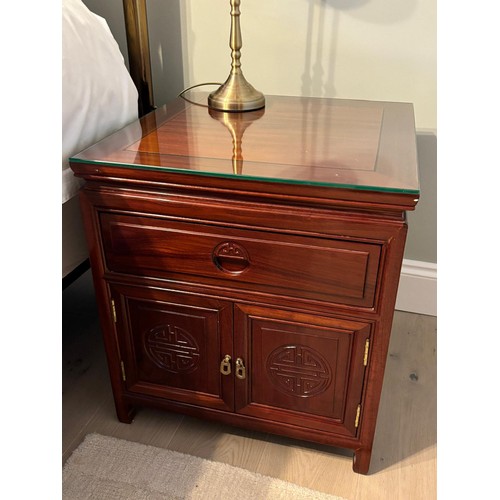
236	95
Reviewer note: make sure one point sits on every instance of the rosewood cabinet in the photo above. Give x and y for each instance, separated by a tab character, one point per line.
246	265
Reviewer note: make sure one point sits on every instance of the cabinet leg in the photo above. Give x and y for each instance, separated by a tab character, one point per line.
361	462
124	412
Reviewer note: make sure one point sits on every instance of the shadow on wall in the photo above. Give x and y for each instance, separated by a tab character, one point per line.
165	41
324	18
421	243
374	11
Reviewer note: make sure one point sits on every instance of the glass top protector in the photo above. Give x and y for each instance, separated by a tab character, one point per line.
339	143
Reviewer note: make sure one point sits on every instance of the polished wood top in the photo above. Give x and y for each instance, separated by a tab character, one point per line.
361	145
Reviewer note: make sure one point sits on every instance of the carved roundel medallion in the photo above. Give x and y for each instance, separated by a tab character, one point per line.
172	349
298	371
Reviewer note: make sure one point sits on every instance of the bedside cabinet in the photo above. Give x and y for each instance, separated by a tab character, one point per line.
246	264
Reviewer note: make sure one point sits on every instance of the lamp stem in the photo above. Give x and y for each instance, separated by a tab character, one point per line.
235	41
236	94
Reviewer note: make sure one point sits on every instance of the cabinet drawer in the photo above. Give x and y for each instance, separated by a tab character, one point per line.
298	266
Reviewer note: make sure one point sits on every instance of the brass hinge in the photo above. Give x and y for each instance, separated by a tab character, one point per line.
124	377
367	348
113	310
358	413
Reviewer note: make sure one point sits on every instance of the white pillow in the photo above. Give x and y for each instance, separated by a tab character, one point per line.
99	96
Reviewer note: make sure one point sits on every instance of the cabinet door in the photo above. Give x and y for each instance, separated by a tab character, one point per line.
172	345
300	369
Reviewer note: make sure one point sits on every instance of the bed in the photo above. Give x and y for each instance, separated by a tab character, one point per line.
99	96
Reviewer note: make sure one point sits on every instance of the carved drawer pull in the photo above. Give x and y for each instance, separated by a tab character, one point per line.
225	365
240	369
231	257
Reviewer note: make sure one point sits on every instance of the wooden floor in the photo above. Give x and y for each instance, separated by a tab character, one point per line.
404	457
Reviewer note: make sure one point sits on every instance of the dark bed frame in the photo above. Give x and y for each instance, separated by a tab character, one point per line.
136	27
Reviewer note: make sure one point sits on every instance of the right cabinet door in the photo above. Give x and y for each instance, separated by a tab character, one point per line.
300	369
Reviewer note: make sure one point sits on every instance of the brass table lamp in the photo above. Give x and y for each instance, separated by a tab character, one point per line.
236	94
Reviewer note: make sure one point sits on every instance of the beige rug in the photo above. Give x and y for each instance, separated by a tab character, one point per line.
107	468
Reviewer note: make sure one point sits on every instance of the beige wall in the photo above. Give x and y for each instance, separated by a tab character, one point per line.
352	49
360	49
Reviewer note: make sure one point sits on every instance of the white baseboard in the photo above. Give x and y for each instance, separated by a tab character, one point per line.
417	291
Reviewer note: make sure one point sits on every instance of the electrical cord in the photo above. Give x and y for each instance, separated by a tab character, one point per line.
193	87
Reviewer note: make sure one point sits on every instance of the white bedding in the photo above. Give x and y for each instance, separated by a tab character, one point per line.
99	96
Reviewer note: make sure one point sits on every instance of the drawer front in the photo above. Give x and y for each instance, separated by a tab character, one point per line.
298	266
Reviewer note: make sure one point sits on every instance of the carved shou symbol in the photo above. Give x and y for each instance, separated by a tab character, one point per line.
172	348
298	370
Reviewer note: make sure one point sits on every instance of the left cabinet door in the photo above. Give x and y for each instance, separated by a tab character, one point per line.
172	344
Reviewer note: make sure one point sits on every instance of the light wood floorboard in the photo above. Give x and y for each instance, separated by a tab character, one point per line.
404	457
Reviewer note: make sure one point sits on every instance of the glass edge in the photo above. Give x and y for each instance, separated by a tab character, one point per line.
75	159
